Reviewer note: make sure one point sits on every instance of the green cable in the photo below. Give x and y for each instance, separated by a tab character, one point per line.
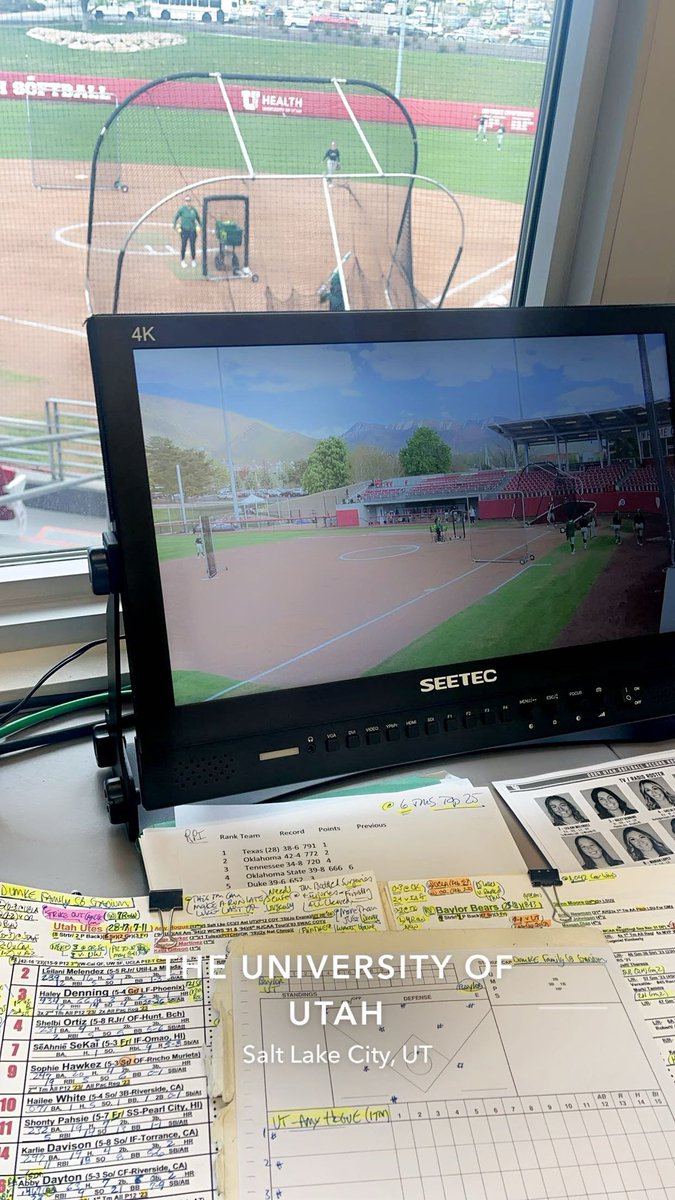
57	710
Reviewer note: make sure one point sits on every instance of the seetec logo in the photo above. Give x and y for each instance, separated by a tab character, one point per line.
440	683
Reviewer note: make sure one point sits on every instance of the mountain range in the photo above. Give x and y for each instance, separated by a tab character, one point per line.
197	426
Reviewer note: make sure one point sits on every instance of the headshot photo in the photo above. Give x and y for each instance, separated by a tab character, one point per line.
561	811
592	852
654	794
642	843
609	802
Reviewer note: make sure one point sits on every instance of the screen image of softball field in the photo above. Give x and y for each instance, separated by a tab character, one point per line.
325	512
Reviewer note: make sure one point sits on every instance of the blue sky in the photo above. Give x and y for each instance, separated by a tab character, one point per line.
320	390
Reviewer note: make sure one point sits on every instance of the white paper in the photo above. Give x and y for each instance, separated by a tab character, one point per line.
615	814
436	830
542	1084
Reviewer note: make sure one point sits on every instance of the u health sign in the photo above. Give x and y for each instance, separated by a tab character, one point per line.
278	102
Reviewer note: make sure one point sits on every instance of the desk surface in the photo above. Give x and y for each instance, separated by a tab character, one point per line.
54	829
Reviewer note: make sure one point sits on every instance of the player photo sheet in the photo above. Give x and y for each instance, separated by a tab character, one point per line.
615	815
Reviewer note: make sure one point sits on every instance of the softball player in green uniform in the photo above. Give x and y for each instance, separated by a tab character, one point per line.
187	222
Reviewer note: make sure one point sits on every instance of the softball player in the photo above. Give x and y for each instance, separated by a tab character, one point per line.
332	161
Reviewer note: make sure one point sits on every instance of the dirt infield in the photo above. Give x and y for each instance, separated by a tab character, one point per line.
44	305
308	610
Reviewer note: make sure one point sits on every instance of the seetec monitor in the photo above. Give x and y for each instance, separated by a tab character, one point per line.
361	539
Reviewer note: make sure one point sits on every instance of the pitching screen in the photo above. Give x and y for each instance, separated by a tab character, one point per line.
382	507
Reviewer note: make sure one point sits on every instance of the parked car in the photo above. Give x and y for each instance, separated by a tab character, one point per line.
532	37
335	20
297	20
111	10
463	36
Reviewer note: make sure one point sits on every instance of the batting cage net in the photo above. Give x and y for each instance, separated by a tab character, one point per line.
236	172
46	171
204	541
502	541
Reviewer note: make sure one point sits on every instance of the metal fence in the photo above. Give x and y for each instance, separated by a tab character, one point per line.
64	445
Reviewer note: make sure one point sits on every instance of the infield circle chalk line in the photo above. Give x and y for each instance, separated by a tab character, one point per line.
166	251
339	637
60	235
48	328
377	553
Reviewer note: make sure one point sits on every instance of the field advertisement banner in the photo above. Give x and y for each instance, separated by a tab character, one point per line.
265	101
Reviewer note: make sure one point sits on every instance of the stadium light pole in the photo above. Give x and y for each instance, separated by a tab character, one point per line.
401	47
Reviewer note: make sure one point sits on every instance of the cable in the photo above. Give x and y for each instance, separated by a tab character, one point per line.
72	734
48	674
57	710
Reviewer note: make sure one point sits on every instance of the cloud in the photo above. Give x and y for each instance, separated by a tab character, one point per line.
449	364
586	399
584	359
288	368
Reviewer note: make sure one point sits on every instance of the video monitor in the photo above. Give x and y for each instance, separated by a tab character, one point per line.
357	539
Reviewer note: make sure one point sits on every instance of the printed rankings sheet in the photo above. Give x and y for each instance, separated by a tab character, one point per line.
538	1086
433	830
616	814
103	1087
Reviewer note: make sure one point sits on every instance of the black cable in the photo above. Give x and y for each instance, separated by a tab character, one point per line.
72	734
48	674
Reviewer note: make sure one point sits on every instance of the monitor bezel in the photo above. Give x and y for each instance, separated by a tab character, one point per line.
163	726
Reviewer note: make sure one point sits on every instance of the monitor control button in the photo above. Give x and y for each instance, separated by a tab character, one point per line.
393	733
471	718
450	723
412	729
489	716
332	742
353	740
373	735
431	725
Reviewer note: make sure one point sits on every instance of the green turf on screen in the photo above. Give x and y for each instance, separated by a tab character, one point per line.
501	623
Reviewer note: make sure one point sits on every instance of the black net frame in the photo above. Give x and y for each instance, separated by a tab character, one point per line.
397	275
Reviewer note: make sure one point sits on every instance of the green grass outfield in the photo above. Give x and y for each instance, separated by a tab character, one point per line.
65	131
189	687
536	606
182	545
61	130
426	73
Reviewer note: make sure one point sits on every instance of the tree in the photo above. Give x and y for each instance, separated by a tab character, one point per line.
425	453
371	462
199	472
327	466
292	473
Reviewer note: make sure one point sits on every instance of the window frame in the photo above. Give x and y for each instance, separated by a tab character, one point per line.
595	59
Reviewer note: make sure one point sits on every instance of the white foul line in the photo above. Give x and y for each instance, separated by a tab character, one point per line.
477	278
336	245
359	628
49	328
355	123
235	126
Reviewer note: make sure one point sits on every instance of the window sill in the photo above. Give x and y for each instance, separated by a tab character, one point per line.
48	606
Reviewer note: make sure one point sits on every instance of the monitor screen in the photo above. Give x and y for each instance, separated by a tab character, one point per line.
351	540
327	512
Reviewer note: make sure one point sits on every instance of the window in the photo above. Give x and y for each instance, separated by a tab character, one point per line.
472	78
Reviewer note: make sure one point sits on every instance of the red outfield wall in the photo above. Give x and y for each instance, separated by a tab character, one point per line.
265	101
607	502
